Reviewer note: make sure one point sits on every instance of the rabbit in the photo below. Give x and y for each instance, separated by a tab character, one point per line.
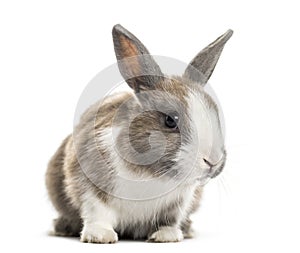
136	163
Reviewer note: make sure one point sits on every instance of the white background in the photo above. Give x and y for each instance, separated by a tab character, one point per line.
50	50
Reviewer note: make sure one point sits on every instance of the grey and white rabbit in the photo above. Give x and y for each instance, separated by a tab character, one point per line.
136	162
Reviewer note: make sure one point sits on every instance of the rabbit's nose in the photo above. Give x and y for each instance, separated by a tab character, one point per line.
208	162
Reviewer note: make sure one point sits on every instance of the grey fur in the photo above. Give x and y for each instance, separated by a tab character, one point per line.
146	73
203	65
69	222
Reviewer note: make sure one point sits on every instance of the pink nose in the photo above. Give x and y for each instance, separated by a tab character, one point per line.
208	162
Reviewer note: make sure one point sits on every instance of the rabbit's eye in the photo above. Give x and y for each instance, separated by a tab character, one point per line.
171	121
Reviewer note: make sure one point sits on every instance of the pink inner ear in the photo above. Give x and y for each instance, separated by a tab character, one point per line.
128	48
130	60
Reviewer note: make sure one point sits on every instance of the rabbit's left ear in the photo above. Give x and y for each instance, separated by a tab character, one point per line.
202	66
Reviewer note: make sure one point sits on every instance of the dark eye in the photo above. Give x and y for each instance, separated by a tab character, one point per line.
171	121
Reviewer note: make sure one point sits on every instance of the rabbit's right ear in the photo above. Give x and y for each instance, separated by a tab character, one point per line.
135	63
202	66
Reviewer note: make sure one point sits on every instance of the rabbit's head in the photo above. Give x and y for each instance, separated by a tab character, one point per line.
171	127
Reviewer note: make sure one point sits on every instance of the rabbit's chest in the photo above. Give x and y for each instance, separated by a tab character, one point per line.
138	218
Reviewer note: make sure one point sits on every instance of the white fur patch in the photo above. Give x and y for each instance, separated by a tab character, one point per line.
134	211
167	234
98	220
94	234
207	140
207	126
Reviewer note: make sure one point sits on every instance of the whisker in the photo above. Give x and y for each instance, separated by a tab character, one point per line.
225	186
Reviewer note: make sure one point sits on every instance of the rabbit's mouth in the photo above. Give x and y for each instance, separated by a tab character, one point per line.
211	170
216	168
215	172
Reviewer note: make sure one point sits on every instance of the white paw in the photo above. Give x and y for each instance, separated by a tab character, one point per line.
189	234
166	234
99	235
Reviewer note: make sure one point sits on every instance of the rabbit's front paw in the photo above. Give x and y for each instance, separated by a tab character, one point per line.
166	234
98	235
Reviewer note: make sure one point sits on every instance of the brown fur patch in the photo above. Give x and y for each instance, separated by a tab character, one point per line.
128	48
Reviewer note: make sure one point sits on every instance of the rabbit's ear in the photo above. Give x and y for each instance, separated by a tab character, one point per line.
202	66
135	63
